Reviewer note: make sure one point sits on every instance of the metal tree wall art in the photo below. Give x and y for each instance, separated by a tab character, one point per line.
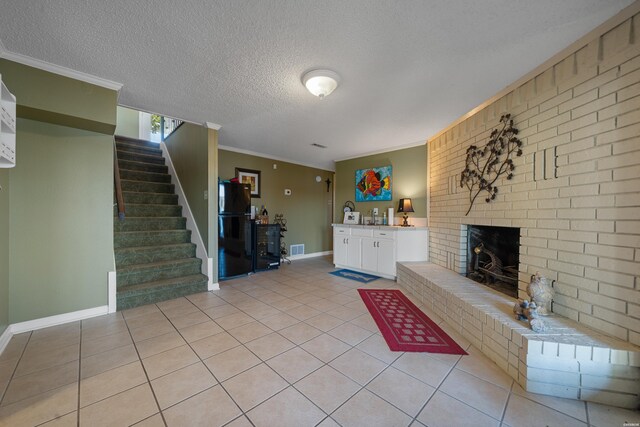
485	165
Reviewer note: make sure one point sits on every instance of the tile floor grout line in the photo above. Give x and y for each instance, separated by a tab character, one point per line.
15	368
79	375
146	374
212	374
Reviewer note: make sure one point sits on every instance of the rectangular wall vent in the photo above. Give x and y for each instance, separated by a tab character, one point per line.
296	249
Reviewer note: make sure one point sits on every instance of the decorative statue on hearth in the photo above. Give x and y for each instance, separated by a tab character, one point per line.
540	292
526	310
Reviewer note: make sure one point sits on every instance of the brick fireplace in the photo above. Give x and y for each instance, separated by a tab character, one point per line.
575	190
492	257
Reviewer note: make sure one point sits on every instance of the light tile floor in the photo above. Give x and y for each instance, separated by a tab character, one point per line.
292	347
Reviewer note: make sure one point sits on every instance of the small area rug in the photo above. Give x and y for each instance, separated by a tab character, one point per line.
354	275
404	326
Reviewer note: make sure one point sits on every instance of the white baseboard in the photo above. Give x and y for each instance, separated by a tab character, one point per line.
5	338
214	287
196	237
112	291
59	319
311	255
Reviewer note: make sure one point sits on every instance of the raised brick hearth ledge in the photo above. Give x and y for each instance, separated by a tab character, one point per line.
569	360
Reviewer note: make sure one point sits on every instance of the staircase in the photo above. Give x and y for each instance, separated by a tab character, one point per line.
155	259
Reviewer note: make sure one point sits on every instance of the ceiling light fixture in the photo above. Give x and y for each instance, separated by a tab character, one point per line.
321	82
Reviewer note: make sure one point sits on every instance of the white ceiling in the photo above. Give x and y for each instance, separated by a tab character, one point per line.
408	67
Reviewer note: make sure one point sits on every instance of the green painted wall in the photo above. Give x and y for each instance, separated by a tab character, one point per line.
189	150
52	98
128	123
4	249
61	220
409	180
307	211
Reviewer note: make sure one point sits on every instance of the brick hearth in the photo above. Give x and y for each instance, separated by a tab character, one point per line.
569	360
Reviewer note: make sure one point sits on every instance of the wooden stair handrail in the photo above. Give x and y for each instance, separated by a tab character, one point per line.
118	184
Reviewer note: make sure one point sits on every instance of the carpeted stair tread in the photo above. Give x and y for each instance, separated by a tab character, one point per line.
160	290
135	197
126	239
155	258
149	254
142	166
133	223
144	176
136	148
147	187
135	210
141	273
143	158
136	141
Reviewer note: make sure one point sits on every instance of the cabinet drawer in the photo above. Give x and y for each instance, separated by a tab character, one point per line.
341	230
361	232
384	234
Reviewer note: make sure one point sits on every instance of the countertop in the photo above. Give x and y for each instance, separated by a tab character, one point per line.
380	227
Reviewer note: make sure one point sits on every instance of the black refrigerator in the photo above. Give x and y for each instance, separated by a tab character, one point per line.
235	240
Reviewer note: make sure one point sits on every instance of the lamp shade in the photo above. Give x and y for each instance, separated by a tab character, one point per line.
321	82
405	206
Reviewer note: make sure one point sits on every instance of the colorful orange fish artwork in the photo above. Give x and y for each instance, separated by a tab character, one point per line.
373	184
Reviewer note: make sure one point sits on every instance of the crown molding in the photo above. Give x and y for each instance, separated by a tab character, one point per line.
384	150
213	126
268	156
58	69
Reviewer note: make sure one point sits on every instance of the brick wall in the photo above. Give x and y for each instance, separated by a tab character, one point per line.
576	188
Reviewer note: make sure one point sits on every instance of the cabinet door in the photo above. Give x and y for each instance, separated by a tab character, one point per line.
340	255
370	254
386	256
354	252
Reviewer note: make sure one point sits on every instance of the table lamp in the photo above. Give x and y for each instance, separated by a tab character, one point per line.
405	206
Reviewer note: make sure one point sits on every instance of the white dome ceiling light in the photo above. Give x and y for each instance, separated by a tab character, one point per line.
321	82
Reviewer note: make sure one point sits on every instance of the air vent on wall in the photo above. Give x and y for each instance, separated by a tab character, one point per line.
296	249
318	145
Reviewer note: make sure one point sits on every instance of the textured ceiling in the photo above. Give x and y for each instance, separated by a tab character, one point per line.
408	68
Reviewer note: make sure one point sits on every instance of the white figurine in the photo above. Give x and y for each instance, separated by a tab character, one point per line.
541	293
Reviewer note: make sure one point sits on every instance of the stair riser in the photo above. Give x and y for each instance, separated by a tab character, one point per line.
143	275
137	149
149	224
156	160
135	299
160	211
149	198
150	238
147	187
144	176
145	167
153	254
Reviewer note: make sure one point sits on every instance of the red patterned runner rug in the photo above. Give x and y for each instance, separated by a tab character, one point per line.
404	326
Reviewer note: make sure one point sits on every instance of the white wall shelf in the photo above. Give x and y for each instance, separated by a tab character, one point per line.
7	127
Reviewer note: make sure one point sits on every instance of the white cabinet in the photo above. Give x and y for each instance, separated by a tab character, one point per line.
347	249
378	253
376	249
7	127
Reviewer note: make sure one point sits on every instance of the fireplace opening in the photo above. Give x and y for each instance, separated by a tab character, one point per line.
493	254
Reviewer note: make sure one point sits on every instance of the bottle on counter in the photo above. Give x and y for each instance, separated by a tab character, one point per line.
264	210
384	218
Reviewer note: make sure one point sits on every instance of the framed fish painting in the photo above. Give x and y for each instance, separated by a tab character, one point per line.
373	184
